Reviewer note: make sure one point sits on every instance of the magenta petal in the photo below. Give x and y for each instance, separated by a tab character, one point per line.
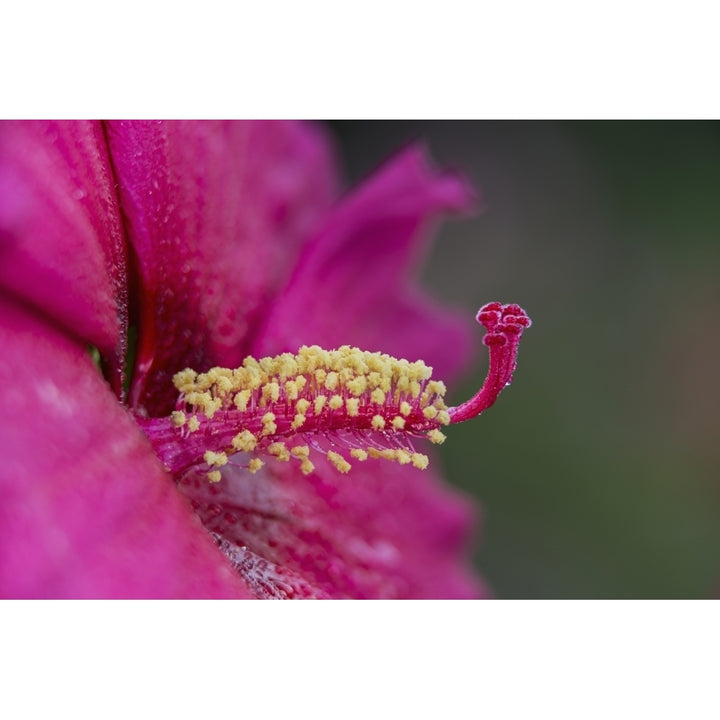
355	281
382	531
85	508
61	244
216	213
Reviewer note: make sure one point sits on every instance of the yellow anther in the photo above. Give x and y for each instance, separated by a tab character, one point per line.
300	451
331	381
377	396
184	381
352	406
336	402
340	463
398	422
254	465
193	424
214	476
268	422
215	459
385	454
358	385
359	454
271	391
420	461
291	390
242	399
302	405
320	376
378	422
306	466
437	387
280	451
405	408
178	418
403	457
298	421
320	401
244	441
436	437
443	417
430	412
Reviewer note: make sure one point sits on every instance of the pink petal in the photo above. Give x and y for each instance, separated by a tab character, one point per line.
216	213
382	531
85	508
355	281
61	244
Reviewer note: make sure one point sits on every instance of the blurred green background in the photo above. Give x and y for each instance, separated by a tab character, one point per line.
599	470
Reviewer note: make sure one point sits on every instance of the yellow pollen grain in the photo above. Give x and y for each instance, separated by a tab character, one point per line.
178	418
244	441
223	383
280	451
385	454
340	463
320	401
359	454
436	437
291	390
268	422
254	465
214	476
336	402
193	424
271	392
358	385
352	406
242	399
420	461
443	417
215	459
398	423
405	408
430	412
378	422
377	396
184	381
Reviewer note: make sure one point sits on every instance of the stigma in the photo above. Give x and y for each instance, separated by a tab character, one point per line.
347	405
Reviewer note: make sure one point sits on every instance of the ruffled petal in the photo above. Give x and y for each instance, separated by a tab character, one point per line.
61	244
355	282
86	510
382	531
216	213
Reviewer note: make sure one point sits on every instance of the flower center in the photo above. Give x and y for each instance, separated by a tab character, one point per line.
344	403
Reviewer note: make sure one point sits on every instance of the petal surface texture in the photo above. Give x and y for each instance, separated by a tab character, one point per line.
216	213
86	509
61	245
356	280
382	531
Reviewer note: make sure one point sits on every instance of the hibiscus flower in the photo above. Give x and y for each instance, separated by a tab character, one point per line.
182	463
